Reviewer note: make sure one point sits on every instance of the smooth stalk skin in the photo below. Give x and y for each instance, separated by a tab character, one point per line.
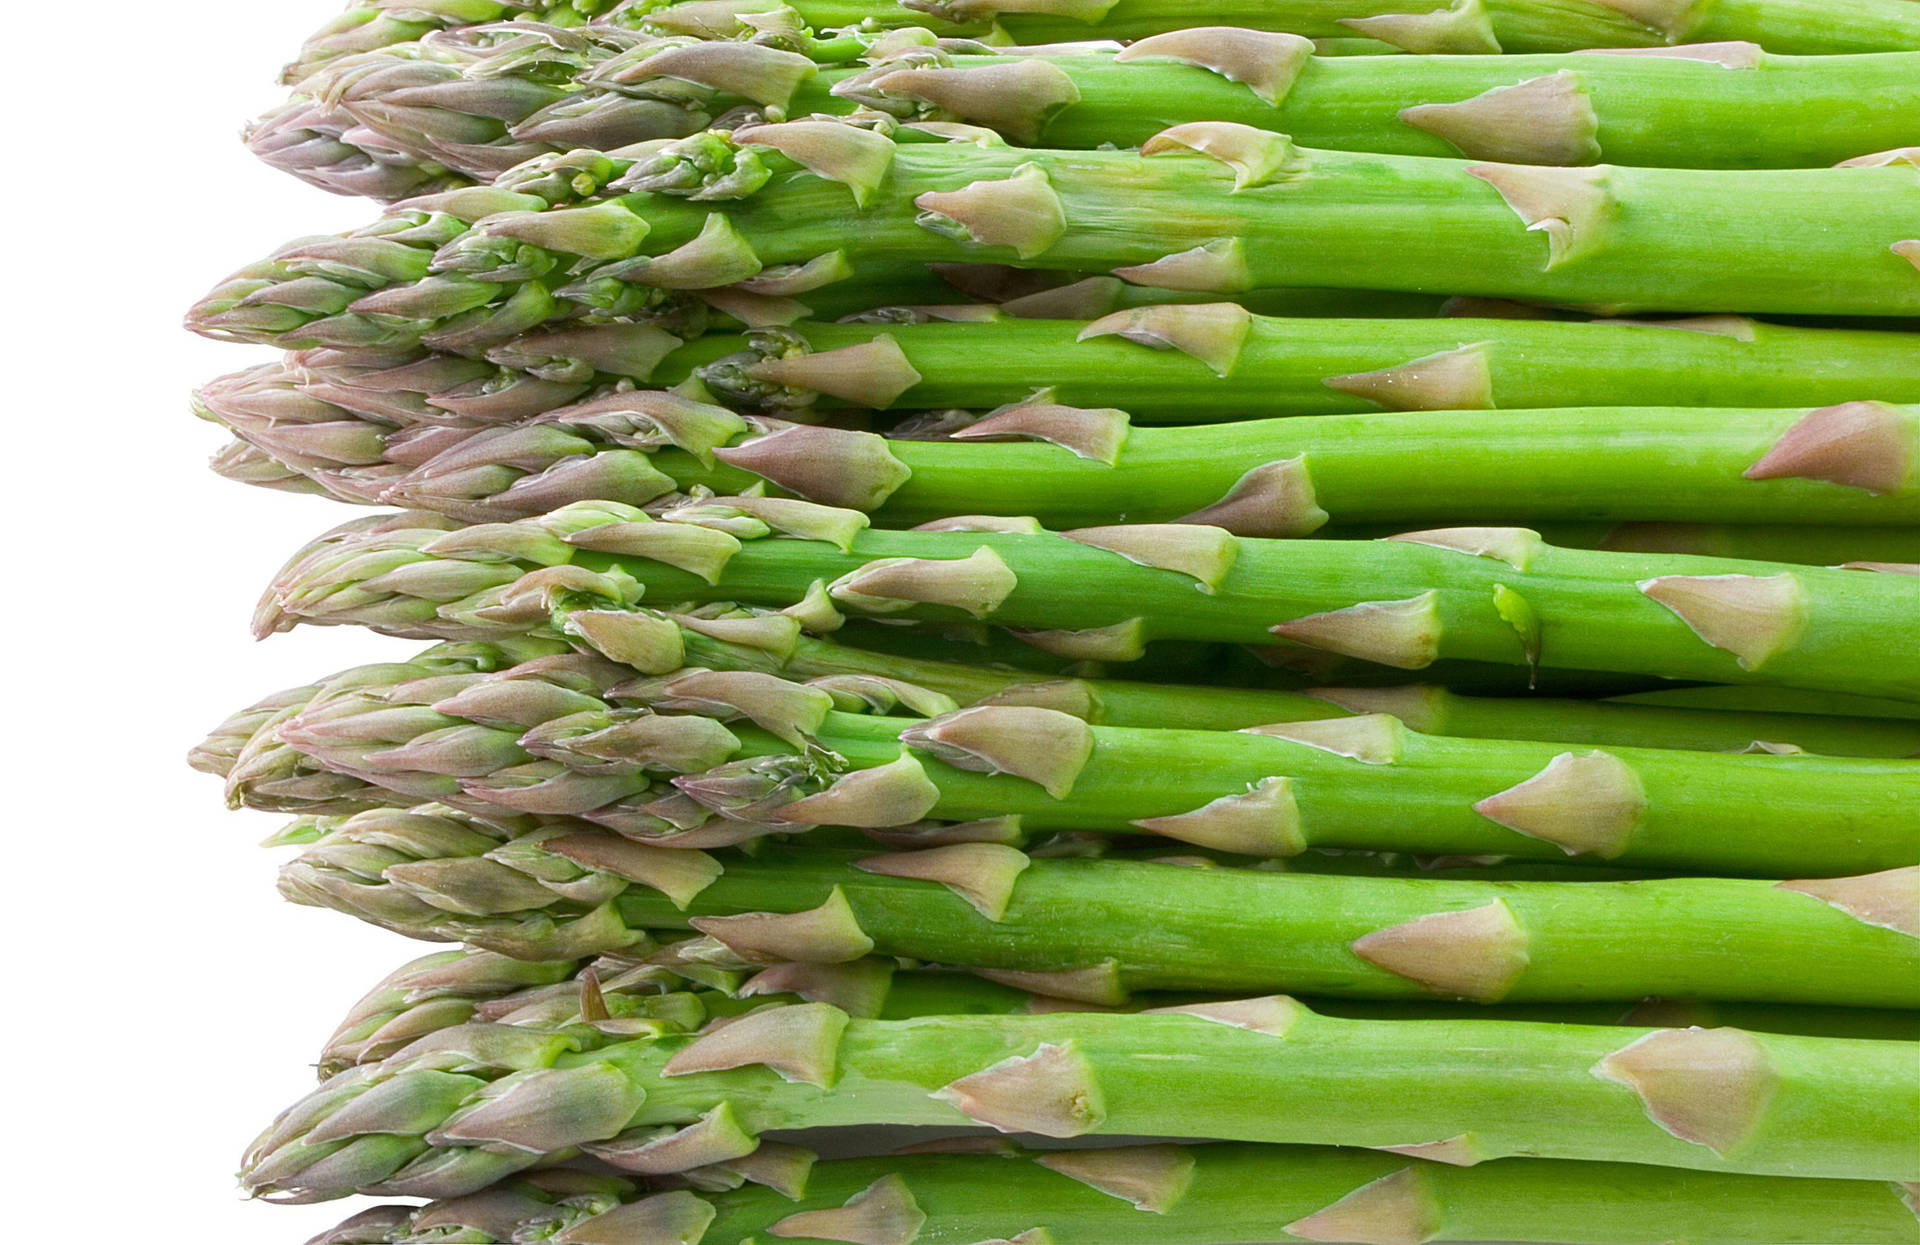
1495	595
1775	700
468	1106
483	102
1219	1194
546	739
1329	360
1209	206
1100	929
686	983
1810	27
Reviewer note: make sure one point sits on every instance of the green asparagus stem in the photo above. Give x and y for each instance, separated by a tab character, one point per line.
1220	1194
485	101
906	359
1174	923
450	988
1494	595
469	1106
655	642
1341	26
369	25
1210	206
1070	466
585	740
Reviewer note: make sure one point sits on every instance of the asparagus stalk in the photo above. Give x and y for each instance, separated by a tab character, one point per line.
583	740
1170	1195
1494	595
656	642
469	1106
1210	206
972	900
1885	548
1068	466
1154	362
1423	26
451	988
483	102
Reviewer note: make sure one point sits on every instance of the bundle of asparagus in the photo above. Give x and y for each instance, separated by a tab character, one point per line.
972	544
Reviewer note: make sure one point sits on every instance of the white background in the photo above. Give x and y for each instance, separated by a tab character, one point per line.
162	1001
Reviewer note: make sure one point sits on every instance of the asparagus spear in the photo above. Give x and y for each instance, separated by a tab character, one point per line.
362	483
483	102
1495	595
683	984
1152	361
450	988
583	740
650	992
468	1106
657	642
1462	26
1169	1195
973	900
1210	206
1069	465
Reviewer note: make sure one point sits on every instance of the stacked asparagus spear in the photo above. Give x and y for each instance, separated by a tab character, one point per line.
1332	585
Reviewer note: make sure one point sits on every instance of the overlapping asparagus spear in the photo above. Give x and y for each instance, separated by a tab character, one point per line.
478	103
751	747
1210	206
468	1106
264	771
1177	363
1169	1195
1493	595
1100	929
1065	466
647	991
1420	26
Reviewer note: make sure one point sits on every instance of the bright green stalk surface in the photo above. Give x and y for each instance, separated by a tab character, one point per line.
1313	366
1234	1193
1830	1108
1631	110
1167	927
